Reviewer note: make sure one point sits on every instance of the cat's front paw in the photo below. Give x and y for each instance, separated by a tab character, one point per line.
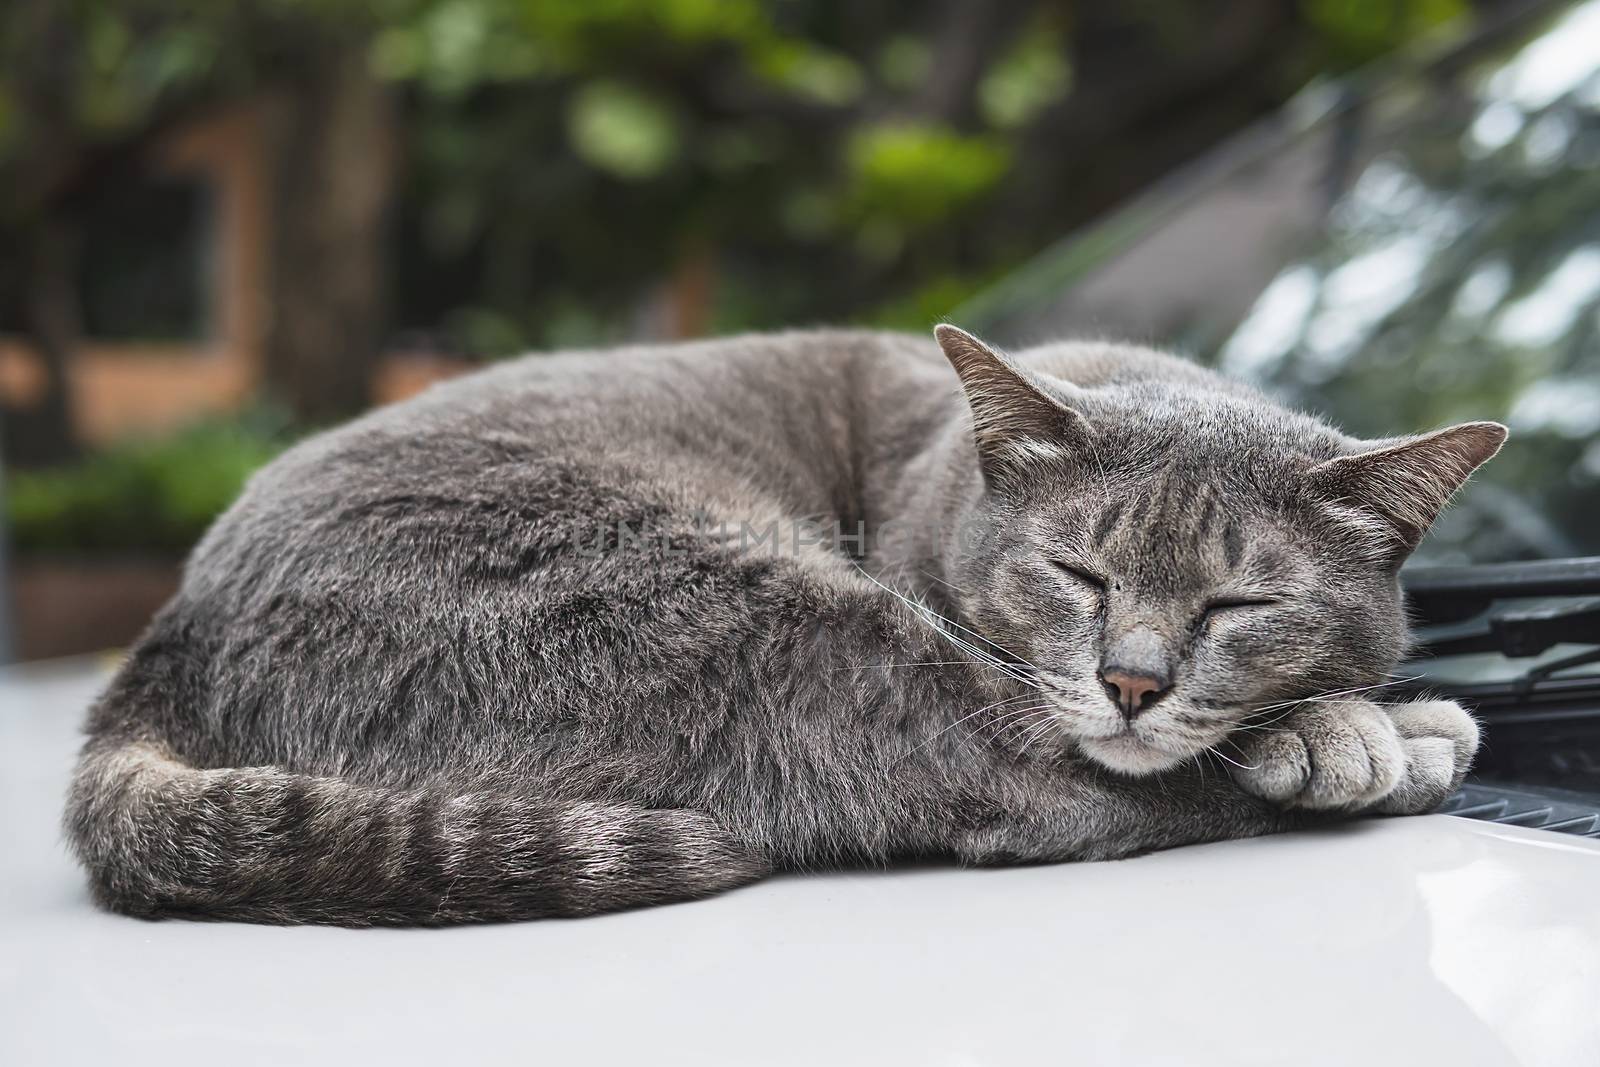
1440	740
1353	755
1336	754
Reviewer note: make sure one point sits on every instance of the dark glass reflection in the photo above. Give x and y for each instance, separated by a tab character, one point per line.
1458	277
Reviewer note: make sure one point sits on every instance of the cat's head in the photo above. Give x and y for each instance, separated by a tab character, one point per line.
1170	560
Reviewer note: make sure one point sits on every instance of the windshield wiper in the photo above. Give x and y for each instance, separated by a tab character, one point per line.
1516	610
1515	630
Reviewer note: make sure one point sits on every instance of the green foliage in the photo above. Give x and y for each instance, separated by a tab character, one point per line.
1031	77
538	130
1358	31
905	177
914	174
622	130
816	74
156	495
904	62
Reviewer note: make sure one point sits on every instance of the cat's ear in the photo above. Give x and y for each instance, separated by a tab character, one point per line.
1014	420
1405	483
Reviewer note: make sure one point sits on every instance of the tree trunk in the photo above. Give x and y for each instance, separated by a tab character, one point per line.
43	73
968	37
335	160
43	433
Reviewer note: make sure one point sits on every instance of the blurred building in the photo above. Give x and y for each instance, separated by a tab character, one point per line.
171	293
172	289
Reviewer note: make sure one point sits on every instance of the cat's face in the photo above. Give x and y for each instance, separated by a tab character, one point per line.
1174	564
1160	609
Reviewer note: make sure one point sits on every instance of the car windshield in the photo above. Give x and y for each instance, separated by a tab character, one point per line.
1459	278
1417	251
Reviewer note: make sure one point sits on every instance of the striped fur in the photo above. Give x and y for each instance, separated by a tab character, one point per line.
160	837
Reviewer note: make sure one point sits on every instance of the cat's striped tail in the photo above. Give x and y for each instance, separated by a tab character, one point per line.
160	838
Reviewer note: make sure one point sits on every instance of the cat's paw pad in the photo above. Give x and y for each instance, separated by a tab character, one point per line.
1439	740
1331	755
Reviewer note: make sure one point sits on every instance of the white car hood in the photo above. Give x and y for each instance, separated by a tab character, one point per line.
1408	941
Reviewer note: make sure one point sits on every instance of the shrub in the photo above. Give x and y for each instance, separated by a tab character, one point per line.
154	495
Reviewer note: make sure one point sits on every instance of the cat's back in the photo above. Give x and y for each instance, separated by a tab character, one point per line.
556	439
465	522
634	399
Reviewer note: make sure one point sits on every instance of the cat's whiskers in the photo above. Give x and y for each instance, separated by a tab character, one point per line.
942	626
1035	732
991	643
1227	759
995	662
1017	718
940	623
948	585
1250	723
1014	719
972	715
1287	708
1331	695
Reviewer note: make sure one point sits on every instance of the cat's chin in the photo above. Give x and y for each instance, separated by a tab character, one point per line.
1127	754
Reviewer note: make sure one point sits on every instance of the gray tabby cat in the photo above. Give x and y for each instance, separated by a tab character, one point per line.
598	631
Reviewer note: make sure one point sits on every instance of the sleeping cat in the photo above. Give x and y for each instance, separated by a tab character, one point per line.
590	631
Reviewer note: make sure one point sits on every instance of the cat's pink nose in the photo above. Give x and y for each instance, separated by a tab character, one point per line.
1132	693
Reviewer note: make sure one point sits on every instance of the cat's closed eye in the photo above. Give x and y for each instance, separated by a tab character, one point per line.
1233	605
1088	578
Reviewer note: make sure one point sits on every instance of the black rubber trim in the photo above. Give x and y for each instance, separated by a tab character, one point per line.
1445	594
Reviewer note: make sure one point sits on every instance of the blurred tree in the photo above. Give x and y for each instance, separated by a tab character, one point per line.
563	172
336	164
815	161
37	227
86	86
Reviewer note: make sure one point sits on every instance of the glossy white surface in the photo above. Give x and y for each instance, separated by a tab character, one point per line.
1415	941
